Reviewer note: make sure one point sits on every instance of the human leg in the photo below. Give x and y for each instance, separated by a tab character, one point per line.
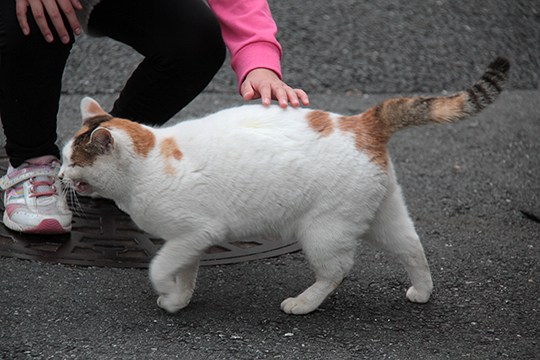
30	81
183	50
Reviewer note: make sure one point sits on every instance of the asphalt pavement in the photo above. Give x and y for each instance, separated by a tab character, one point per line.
472	188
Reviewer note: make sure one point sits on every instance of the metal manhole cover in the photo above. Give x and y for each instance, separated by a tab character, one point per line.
102	235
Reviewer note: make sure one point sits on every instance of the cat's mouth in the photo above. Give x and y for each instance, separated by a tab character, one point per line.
81	187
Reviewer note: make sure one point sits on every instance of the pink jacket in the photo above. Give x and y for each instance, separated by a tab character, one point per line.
249	32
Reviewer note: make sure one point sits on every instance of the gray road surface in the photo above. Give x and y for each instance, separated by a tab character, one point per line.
467	186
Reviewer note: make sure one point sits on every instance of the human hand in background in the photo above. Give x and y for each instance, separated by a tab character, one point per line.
54	9
266	85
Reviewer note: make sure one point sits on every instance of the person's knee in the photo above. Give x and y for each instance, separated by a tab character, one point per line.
200	54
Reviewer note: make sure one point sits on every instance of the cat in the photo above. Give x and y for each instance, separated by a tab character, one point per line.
325	179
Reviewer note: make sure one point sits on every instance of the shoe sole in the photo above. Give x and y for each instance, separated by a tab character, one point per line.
45	227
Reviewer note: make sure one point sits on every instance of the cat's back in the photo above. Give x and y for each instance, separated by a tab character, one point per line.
279	134
235	129
264	125
250	118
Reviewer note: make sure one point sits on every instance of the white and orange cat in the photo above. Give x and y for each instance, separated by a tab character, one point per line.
325	179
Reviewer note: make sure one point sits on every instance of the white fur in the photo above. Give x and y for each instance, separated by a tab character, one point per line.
253	170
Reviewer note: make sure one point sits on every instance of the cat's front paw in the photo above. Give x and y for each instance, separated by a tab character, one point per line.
297	306
417	295
173	302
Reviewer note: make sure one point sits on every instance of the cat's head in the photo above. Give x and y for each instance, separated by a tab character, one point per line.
98	156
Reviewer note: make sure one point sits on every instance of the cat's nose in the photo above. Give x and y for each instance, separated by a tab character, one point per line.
61	172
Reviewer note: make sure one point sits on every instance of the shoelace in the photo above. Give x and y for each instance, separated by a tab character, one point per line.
42	187
42	180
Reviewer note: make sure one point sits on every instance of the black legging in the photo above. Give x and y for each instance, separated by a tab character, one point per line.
182	48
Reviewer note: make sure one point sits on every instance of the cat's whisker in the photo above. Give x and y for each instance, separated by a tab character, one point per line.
78	209
68	191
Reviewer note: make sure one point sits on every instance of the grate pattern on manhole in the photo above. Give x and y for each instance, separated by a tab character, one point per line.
102	235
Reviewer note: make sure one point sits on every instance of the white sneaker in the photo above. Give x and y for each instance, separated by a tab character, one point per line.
33	198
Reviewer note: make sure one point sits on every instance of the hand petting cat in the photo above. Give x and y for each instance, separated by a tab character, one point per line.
266	85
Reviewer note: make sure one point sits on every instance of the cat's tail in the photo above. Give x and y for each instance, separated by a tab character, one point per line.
400	113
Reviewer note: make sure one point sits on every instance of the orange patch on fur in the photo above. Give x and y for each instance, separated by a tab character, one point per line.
142	138
370	135
446	109
169	150
321	122
81	131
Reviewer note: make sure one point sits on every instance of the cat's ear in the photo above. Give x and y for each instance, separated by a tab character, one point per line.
90	108
102	140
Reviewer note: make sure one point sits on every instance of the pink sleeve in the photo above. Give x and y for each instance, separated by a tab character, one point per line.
249	32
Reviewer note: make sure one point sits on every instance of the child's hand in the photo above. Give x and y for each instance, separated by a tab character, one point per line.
266	85
54	9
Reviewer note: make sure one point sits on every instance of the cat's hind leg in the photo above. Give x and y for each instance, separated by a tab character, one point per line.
329	247
393	231
173	274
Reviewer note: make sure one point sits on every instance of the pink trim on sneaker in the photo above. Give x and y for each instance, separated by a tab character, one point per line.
48	227
11	208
